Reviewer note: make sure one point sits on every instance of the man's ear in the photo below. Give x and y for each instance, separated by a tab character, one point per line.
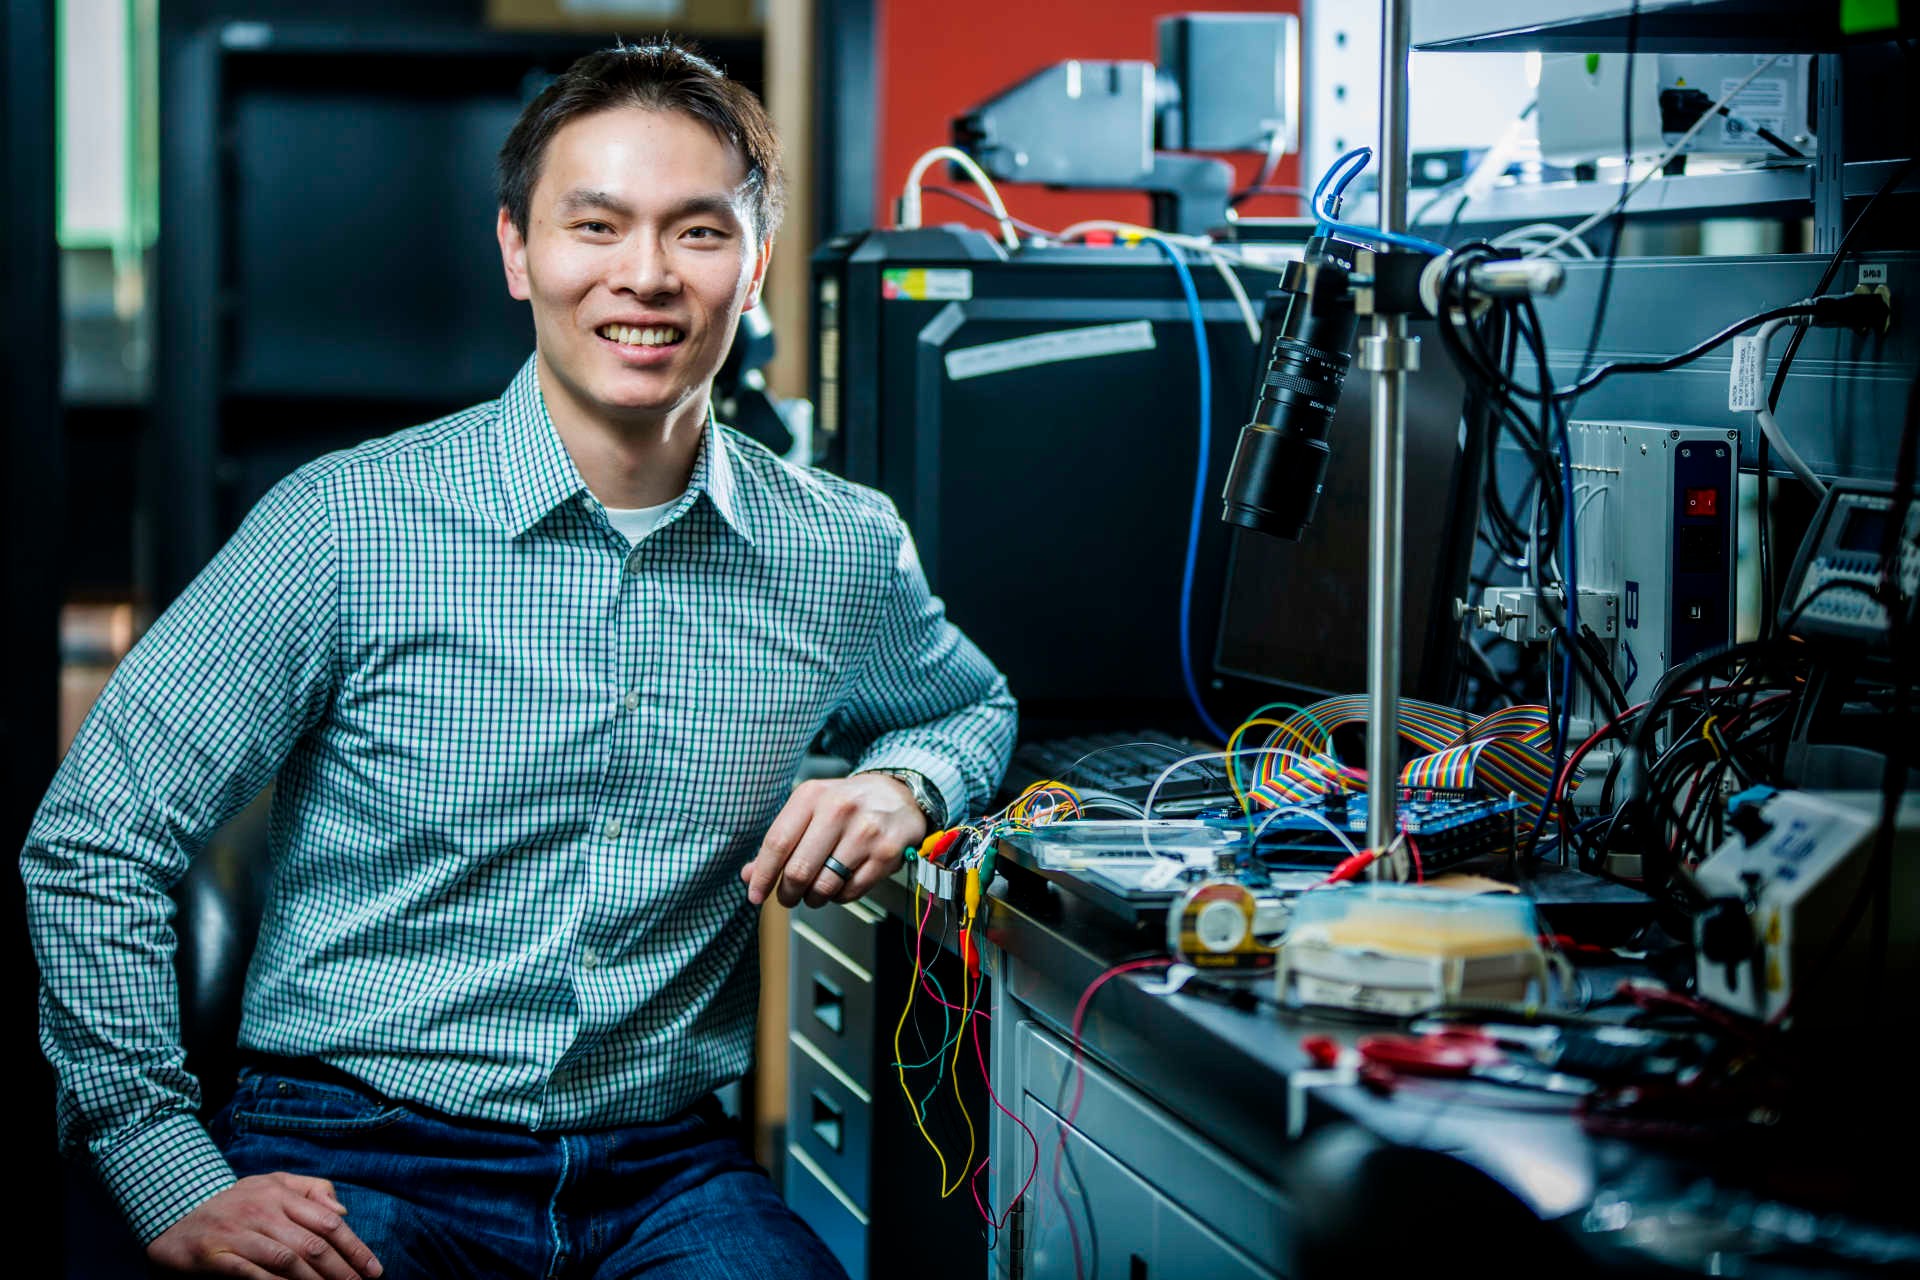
513	255
761	259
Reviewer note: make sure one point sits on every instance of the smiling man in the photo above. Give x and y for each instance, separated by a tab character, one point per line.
534	682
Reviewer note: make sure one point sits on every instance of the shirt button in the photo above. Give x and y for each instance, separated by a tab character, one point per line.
633	563
612	830
632	700
589	959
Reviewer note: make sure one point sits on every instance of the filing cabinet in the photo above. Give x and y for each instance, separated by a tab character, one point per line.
857	1168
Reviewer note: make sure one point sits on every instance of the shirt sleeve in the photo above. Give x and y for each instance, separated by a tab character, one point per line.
195	722
926	698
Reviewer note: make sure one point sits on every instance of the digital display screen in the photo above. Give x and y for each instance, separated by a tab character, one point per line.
1865	529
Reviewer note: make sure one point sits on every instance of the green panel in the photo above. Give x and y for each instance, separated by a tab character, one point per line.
1858	16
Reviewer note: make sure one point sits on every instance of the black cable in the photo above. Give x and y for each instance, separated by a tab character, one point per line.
1598	651
1799	335
1589	381
1648	821
1616	218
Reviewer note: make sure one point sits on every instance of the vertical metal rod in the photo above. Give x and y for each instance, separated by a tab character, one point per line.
1392	353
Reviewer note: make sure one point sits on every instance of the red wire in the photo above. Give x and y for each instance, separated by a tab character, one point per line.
956	1008
1419	872
1080	1081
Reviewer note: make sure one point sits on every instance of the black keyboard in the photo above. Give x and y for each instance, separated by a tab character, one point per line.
1122	764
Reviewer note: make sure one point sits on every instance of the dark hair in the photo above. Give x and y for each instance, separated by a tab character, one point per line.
661	76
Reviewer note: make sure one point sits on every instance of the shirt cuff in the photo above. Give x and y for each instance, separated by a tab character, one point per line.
945	777
161	1172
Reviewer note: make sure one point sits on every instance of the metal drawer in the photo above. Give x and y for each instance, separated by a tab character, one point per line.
830	1117
853	930
830	1002
1181	1167
826	1209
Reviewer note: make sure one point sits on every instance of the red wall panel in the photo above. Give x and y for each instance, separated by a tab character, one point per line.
936	60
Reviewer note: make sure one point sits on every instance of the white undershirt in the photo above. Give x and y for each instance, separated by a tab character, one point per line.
637	522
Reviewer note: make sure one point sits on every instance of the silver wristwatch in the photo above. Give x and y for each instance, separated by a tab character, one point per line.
926	796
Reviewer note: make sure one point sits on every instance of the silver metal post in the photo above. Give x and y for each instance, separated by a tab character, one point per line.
1389	354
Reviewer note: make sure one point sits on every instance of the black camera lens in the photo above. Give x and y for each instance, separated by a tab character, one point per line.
1281	461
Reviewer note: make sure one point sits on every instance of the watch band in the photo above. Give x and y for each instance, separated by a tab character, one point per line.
926	796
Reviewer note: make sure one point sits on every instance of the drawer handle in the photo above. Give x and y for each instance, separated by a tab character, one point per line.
829	1122
829	1005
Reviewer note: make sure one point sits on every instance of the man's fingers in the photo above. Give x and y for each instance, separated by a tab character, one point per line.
347	1256
276	1256
317	1258
810	855
317	1189
828	883
764	872
867	875
228	1263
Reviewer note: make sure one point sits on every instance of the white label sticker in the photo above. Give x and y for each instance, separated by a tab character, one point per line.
1744	393
926	284
1050	348
1764	94
1872	273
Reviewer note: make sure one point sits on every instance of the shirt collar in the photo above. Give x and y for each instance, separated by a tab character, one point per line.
538	473
714	474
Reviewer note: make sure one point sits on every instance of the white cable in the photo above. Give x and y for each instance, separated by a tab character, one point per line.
910	197
1079	230
1294	809
1153	793
1247	312
1536	232
1659	162
1202	244
1770	428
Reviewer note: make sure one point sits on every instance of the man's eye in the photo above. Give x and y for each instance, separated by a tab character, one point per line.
706	233
596	228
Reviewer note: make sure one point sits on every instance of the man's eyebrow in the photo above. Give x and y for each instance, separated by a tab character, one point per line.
583	198
713	204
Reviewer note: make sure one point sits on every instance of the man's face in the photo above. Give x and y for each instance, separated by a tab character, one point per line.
639	255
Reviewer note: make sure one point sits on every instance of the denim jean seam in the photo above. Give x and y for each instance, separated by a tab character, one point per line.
272	1122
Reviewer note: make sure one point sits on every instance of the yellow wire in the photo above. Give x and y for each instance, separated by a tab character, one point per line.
1233	778
900	1062
954	1071
1706	731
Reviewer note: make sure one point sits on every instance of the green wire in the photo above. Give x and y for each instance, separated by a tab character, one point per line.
1234	778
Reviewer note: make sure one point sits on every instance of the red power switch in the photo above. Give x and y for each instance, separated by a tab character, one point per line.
1703	502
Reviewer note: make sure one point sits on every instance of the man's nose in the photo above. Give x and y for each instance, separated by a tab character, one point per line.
645	268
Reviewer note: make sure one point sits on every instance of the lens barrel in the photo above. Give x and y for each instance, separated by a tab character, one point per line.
1281	461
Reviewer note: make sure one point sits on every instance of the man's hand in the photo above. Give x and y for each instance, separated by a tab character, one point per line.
864	822
275	1224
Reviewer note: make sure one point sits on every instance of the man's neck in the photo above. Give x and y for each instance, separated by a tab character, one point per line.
628	464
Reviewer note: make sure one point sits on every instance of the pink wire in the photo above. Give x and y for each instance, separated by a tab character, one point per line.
998	1224
1079	1087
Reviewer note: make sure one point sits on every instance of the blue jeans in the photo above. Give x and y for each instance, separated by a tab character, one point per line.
436	1197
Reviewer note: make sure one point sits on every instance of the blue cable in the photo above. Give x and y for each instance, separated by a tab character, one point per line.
1327	210
1199	480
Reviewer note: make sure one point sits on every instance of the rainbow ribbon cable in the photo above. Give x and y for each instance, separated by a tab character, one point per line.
1507	752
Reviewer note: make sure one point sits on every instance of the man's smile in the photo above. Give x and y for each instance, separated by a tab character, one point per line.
638	336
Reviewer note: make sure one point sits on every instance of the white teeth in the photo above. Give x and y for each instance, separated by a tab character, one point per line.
651	336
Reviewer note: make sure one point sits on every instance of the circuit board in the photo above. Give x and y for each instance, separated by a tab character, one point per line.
1447	827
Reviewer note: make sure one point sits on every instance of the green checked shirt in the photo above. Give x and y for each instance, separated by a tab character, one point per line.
519	762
